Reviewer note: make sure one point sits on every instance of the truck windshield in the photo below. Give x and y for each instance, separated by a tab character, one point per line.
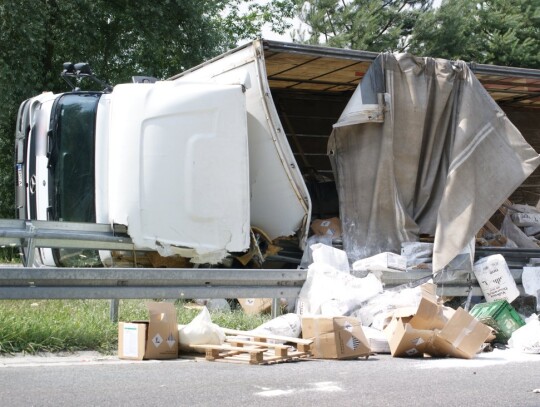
71	165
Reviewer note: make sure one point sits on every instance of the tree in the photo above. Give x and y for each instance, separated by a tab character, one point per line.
501	32
119	39
371	25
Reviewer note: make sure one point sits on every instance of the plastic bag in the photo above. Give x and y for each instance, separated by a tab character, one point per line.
378	311
200	331
331	292
527	338
331	256
284	325
307	257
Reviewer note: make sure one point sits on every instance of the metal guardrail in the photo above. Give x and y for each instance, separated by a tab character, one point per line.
451	286
143	283
67	235
103	283
123	283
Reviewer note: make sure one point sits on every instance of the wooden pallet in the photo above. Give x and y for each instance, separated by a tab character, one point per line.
257	351
303	345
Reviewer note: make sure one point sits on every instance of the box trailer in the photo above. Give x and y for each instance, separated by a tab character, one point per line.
397	147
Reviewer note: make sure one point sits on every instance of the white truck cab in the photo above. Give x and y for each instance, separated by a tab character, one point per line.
168	159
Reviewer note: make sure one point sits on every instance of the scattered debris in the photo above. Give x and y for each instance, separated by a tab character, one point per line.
530	278
328	291
251	352
495	279
255	348
327	227
289	325
254	306
386	261
527	338
335	337
435	330
201	330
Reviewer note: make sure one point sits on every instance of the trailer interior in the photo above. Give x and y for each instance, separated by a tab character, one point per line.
323	80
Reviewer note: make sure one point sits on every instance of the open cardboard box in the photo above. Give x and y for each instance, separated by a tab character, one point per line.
254	306
335	337
435	330
153	339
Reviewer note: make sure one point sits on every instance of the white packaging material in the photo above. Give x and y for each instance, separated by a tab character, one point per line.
532	230
284	325
527	338
386	261
200	331
378	311
516	235
307	257
530	278
495	279
330	256
525	219
417	253
377	340
335	292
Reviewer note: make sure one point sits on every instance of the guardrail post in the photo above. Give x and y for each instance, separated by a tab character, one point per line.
31	246
114	310
276	308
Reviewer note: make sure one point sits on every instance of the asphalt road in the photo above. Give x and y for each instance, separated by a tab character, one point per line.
500	378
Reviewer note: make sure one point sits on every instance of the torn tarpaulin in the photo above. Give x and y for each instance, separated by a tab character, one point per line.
432	166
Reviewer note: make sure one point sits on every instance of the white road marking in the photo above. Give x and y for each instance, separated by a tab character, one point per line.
326	387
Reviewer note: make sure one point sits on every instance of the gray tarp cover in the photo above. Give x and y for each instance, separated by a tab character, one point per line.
422	148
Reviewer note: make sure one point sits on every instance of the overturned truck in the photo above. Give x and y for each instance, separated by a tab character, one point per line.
232	160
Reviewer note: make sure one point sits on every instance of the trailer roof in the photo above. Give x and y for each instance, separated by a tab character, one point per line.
314	68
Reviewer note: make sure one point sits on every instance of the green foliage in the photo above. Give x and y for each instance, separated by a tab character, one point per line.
119	39
53	325
500	32
371	25
10	254
244	19
71	325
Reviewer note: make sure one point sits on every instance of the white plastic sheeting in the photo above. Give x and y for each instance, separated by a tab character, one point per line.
442	161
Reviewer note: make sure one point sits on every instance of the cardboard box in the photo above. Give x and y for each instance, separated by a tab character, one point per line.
132	340
335	337
417	253
153	339
327	227
435	330
386	261
254	306
462	337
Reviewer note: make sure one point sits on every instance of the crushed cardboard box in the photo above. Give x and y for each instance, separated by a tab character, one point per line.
153	339
335	337
435	330
254	306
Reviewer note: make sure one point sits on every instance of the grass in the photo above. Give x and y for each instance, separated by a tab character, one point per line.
71	325
10	254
